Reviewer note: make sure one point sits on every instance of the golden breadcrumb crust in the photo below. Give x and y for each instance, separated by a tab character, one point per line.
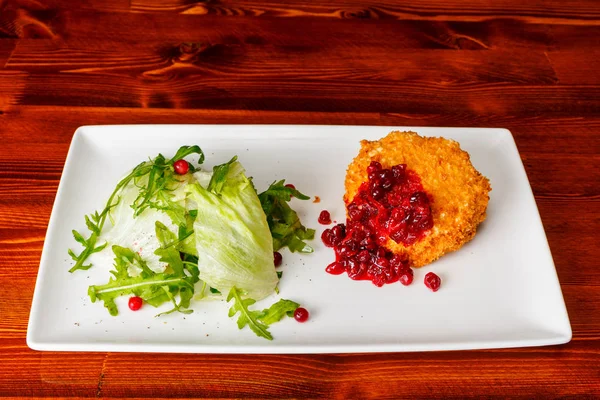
459	193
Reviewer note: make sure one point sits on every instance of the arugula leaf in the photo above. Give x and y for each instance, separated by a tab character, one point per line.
285	225
278	310
185	151
219	176
167	252
154	288
185	234
159	178
258	321
247	317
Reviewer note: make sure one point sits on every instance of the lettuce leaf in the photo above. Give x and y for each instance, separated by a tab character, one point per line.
153	181
233	240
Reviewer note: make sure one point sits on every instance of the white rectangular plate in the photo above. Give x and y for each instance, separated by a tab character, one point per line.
499	290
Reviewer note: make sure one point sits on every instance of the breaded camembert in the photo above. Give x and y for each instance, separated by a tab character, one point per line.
445	213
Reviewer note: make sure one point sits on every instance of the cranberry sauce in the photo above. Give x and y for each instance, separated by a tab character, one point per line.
392	203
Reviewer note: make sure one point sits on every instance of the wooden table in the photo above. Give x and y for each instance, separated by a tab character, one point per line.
530	66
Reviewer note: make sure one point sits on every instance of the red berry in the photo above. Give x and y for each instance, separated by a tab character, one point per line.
328	238
277	258
289	185
406	277
432	281
354	211
301	314
399	170
373	168
325	218
135	303
181	167
339	231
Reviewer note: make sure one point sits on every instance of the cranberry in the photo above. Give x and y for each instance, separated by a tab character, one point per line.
277	258
387	174
381	238
373	168
426	223
358	235
399	170
406	277
339	231
353	225
135	303
364	256
325	217
382	262
328	238
410	238
387	184
181	167
394	199
355	212
398	261
398	236
348	249
432	281
375	184
369	210
377	193
383	214
398	214
378	275
357	271
335	268
289	185
301	314
368	243
419	198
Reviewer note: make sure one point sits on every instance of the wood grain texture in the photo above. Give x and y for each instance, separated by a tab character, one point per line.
554	10
529	66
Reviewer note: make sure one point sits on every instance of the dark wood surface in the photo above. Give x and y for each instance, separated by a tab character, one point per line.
529	66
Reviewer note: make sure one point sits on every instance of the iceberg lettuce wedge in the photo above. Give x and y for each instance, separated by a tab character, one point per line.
233	240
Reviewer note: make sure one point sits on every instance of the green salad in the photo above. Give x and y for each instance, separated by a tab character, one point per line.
179	233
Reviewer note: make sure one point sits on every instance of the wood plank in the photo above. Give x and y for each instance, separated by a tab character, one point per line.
24	372
32	19
489	33
195	77
539	134
161	61
236	90
575	67
554	10
15	314
524	372
515	373
6	48
12	84
166	27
